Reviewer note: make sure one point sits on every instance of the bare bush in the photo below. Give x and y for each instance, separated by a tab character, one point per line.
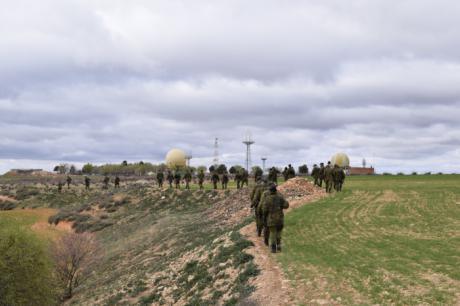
75	256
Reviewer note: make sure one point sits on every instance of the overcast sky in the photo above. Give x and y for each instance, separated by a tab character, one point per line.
106	81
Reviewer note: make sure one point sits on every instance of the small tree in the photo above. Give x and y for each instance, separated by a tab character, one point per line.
73	169
64	168
75	256
221	169
235	169
56	168
124	163
303	170
364	163
87	168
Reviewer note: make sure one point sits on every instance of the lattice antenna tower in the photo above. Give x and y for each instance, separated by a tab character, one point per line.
248	142
216	152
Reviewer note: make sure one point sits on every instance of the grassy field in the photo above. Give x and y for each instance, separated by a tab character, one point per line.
35	220
383	240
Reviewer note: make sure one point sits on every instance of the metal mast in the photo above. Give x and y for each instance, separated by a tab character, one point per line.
248	142
216	152
188	157
264	159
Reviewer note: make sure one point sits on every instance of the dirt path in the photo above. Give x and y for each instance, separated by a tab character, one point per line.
272	285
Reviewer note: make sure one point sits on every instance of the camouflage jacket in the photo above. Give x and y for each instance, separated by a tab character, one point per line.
272	207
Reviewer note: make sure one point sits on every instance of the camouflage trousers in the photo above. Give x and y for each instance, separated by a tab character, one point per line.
275	234
317	181
259	222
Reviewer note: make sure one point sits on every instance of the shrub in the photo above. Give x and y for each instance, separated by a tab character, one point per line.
26	276
7	205
26	192
75	256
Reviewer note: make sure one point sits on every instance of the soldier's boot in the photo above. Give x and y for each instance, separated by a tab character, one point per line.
278	245
266	240
273	248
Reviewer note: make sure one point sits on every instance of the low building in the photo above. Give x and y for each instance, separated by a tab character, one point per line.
361	171
35	172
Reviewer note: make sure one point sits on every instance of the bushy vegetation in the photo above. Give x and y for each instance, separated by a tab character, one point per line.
26	272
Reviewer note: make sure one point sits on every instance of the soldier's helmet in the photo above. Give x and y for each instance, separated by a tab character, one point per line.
272	187
321	164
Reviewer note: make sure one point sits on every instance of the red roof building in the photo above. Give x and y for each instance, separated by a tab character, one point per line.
361	171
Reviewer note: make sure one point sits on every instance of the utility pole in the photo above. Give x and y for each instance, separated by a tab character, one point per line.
188	157
264	159
216	152
248	142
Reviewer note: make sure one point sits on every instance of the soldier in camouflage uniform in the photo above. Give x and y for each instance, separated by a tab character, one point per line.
273	175
244	178
285	174
238	179
290	172
224	180
106	182
329	177
256	196
177	178
188	179
170	178
321	174
215	179
160	179
69	181
60	184
315	174
272	208
339	178
201	179
87	182
117	182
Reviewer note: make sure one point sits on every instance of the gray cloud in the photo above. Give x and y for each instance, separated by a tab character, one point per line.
110	80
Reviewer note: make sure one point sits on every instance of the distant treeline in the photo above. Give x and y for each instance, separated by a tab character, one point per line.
145	168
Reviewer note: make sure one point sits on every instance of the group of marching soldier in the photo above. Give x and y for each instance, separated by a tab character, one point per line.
332	176
241	179
87	180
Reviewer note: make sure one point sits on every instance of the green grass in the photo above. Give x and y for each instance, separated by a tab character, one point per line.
31	220
385	240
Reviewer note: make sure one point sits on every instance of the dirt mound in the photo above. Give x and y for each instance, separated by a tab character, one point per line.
232	208
234	205
298	187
